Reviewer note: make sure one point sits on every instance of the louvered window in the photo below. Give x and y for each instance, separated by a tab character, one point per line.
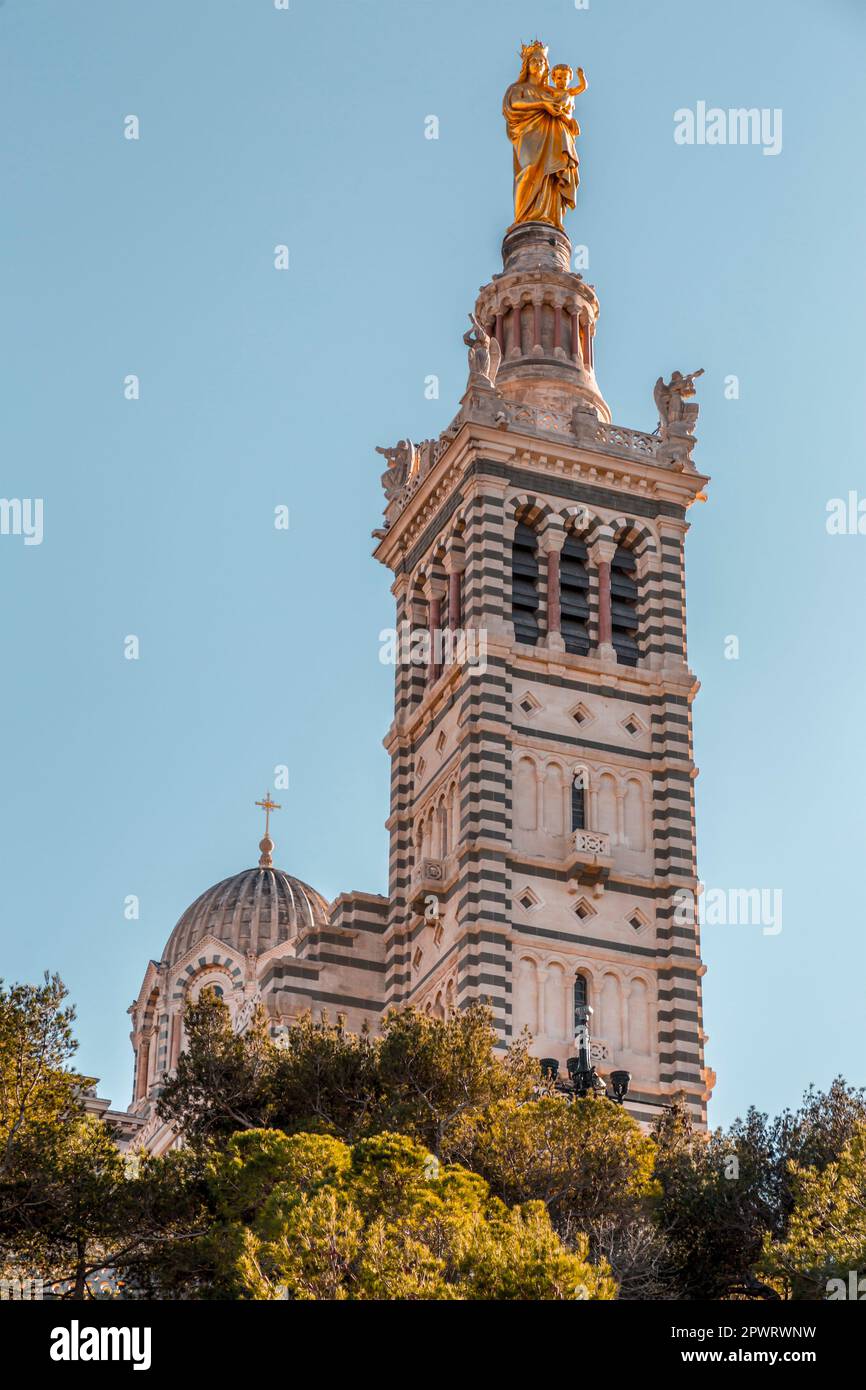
524	585
574	596
623	606
581	999
578	804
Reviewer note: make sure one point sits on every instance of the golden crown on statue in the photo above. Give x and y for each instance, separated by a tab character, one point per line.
535	47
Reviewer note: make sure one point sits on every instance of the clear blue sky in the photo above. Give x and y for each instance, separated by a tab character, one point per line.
258	647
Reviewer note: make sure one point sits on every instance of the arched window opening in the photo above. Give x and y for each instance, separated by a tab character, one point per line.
213	985
623	606
574	596
581	999
578	801
524	585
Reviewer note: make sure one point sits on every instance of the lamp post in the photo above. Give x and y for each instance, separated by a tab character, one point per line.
584	1077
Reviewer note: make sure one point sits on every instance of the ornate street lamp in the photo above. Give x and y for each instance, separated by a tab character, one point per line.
620	1081
584	1077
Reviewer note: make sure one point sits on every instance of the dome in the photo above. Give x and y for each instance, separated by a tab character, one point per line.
251	911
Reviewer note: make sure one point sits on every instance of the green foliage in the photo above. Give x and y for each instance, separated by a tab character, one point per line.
435	1072
63	1215
383	1220
91	1221
224	1081
420	1164
72	1208
724	1195
241	1178
591	1166
57	1169
37	1092
825	1239
420	1077
581	1158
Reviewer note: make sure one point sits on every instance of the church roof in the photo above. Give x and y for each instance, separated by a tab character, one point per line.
251	911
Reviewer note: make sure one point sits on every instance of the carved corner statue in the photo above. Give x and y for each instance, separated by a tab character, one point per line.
401	458
485	354
677	419
542	129
408	463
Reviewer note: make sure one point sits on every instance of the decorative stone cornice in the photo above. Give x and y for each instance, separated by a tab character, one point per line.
603	455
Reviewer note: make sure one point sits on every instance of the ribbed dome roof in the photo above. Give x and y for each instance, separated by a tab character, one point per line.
251	911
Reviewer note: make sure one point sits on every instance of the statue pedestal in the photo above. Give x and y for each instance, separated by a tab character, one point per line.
481	402
534	246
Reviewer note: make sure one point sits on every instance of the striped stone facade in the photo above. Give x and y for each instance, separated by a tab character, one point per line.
491	896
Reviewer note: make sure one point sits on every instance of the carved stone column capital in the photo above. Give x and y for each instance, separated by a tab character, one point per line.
552	536
602	550
435	588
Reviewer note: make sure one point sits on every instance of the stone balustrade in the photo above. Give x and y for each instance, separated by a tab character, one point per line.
590	858
591	842
430	876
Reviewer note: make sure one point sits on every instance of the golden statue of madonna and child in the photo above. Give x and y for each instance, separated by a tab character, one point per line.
539	117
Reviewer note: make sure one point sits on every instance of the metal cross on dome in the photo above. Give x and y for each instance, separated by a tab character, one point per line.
267	806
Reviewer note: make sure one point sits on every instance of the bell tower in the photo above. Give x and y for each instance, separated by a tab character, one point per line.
542	809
